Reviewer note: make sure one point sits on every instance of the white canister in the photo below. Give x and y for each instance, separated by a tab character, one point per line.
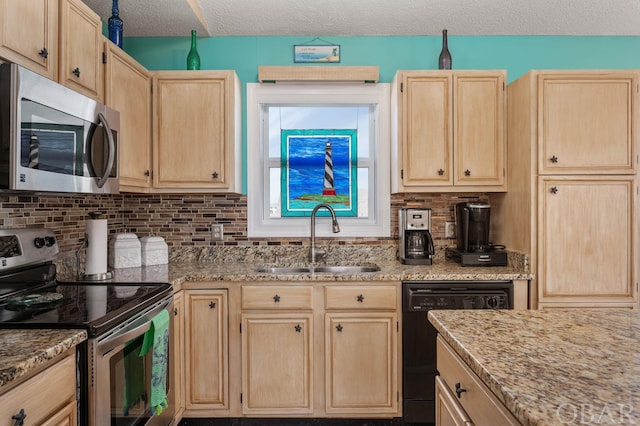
124	251
154	251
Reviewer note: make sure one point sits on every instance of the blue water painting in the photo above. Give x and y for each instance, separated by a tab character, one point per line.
303	167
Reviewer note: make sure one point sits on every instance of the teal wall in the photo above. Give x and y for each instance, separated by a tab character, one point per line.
516	54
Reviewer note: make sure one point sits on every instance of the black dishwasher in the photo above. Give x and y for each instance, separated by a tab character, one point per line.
419	336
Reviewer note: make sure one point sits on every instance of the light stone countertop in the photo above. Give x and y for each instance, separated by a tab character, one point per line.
240	263
22	351
554	367
178	272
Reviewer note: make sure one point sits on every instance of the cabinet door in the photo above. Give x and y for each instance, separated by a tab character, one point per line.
67	416
81	49
192	129
206	349
427	138
45	396
128	90
448	411
587	245
29	34
479	127
587	122
361	363
178	353
277	364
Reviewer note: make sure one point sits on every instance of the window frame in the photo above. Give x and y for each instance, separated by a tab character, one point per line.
318	93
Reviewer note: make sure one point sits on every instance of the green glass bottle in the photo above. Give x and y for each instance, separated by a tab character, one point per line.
193	58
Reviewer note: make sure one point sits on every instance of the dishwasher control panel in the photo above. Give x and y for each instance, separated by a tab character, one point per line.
426	296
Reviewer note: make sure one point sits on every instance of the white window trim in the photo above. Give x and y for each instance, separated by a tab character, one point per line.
317	93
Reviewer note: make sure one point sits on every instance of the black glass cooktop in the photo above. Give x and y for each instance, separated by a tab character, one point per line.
92	306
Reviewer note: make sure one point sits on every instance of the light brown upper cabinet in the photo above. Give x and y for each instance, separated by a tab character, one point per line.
586	122
33	45
81	47
196	131
128	90
449	133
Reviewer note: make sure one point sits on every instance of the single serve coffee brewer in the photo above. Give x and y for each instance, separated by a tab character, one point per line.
472	234
416	244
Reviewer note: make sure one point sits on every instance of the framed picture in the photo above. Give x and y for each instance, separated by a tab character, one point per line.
319	166
316	53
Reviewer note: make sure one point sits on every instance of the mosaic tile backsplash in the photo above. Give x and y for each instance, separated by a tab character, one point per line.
184	220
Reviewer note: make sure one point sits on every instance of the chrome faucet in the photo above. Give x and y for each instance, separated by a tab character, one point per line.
315	253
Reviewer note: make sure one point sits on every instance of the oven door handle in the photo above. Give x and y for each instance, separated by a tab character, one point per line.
108	345
120	338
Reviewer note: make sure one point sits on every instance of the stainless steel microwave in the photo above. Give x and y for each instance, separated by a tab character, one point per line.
53	138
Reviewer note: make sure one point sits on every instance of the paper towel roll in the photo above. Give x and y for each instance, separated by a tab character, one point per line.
97	247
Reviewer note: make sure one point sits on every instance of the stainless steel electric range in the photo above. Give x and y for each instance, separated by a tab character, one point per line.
115	315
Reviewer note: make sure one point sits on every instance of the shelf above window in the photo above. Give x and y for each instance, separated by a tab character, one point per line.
273	74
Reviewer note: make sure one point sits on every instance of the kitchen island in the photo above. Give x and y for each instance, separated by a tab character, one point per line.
552	367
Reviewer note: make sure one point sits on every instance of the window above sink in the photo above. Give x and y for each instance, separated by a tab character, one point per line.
274	110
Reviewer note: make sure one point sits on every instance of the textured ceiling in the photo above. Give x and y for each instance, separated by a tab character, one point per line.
374	17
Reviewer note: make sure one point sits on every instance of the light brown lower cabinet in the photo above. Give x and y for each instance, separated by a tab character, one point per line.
48	398
178	353
277	349
361	363
294	349
461	398
361	349
449	412
206	360
277	364
67	416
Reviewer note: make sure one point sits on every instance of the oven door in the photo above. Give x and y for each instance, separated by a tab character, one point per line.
120	379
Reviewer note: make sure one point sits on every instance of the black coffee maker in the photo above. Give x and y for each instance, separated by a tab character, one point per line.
416	244
472	234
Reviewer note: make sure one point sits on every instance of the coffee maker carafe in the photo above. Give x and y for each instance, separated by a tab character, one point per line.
416	244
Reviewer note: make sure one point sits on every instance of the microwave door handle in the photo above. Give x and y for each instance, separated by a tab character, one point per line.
111	156
108	345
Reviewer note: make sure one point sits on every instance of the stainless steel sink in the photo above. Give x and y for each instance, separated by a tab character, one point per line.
283	270
345	269
323	269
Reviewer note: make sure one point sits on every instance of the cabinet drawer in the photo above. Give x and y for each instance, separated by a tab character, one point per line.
477	400
448	410
361	297
44	394
277	297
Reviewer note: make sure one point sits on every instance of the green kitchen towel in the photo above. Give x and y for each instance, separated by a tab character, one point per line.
157	338
133	374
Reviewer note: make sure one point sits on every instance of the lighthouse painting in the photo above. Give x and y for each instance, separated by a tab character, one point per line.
318	166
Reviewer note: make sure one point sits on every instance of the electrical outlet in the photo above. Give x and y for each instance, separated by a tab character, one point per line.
449	229
217	232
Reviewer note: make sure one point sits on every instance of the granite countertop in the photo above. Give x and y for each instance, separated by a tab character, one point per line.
22	351
553	367
178	272
241	263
